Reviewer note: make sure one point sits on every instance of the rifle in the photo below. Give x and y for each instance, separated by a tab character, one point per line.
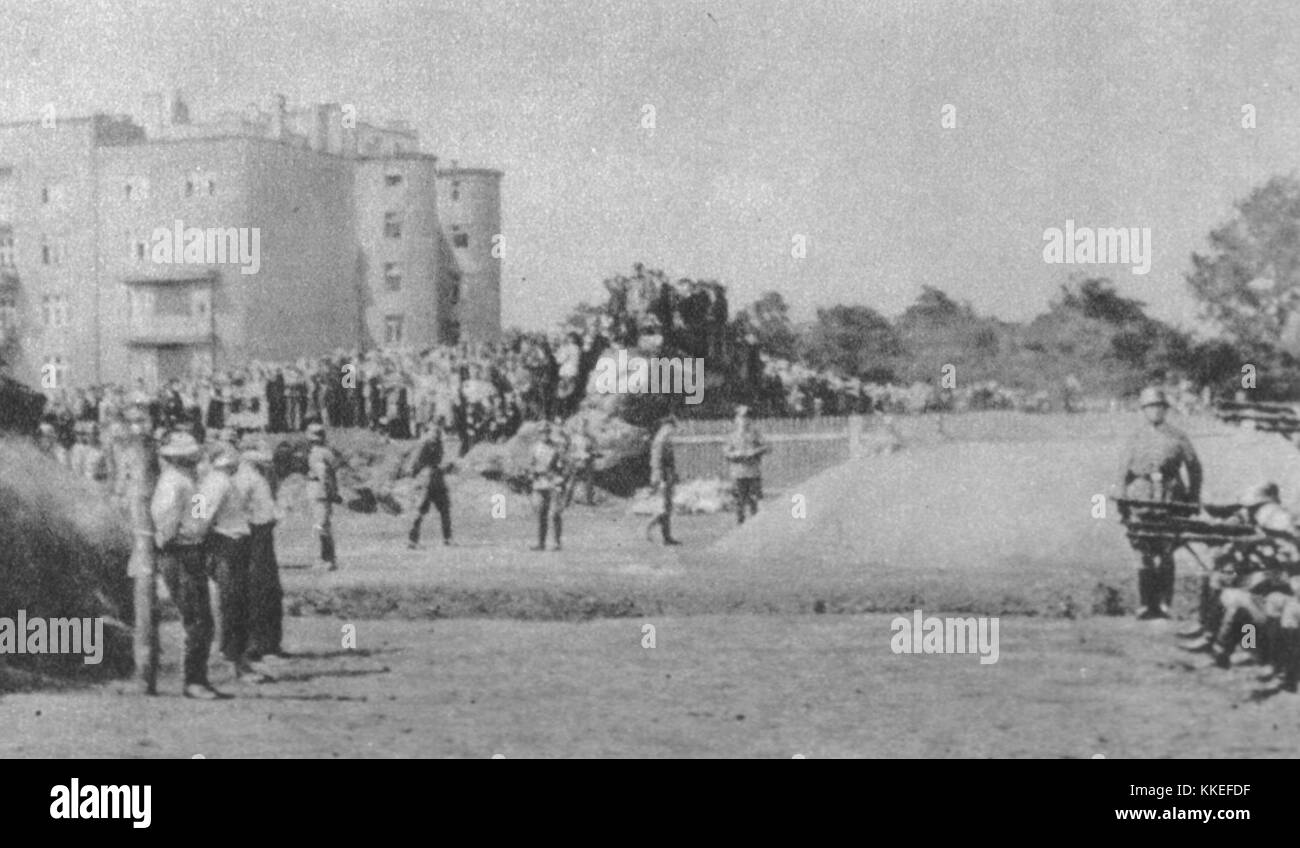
1179	525
1266	417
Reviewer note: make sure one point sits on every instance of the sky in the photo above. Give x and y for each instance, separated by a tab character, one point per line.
774	124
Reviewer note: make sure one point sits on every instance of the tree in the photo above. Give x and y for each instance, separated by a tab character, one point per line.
769	320
852	340
1249	283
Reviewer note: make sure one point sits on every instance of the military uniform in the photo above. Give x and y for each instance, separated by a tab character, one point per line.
548	472
744	454
1154	461
663	476
582	463
323	490
435	492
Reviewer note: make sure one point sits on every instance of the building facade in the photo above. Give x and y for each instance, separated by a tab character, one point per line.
152	250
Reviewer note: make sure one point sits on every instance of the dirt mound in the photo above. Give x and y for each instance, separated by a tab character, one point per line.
986	505
63	554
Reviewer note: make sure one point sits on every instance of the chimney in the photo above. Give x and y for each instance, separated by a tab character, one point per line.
153	114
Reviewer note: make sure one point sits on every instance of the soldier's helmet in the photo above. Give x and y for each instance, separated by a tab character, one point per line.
1259	495
180	447
1153	396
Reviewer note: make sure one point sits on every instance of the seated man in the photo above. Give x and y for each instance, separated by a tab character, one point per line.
1263	594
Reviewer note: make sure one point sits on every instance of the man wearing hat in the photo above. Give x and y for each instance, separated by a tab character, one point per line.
228	558
1160	464
323	490
265	594
548	472
1232	565
582	463
1260	595
180	530
663	478
435	493
744	455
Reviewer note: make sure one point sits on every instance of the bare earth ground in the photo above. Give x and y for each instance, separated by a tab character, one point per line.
743	665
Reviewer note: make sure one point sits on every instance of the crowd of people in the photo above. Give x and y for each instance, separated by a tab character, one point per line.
480	392
796	389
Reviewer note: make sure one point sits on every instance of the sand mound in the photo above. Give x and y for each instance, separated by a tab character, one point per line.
986	505
63	553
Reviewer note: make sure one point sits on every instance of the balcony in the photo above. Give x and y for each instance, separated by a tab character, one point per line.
169	331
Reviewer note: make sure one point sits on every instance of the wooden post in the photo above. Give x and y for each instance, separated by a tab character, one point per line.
143	564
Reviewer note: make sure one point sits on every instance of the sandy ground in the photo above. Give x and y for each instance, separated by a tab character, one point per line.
719	686
486	648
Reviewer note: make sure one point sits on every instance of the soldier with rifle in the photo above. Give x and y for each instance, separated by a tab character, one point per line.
1160	465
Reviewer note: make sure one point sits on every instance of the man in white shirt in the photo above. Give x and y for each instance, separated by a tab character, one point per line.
265	594
180	529
228	557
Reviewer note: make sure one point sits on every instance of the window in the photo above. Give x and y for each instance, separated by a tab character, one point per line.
393	330
53	251
6	248
392	180
54	311
455	293
392	276
455	191
392	225
139	249
212	186
52	193
460	239
189	188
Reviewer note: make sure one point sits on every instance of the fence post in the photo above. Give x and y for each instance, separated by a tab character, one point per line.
855	436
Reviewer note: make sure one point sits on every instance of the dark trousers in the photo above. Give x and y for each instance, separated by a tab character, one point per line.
228	565
664	520
265	595
550	511
747	494
185	571
437	496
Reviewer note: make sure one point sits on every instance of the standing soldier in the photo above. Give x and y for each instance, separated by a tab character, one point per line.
582	464
1155	460
430	456
745	455
180	527
265	594
323	489
663	478
548	474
